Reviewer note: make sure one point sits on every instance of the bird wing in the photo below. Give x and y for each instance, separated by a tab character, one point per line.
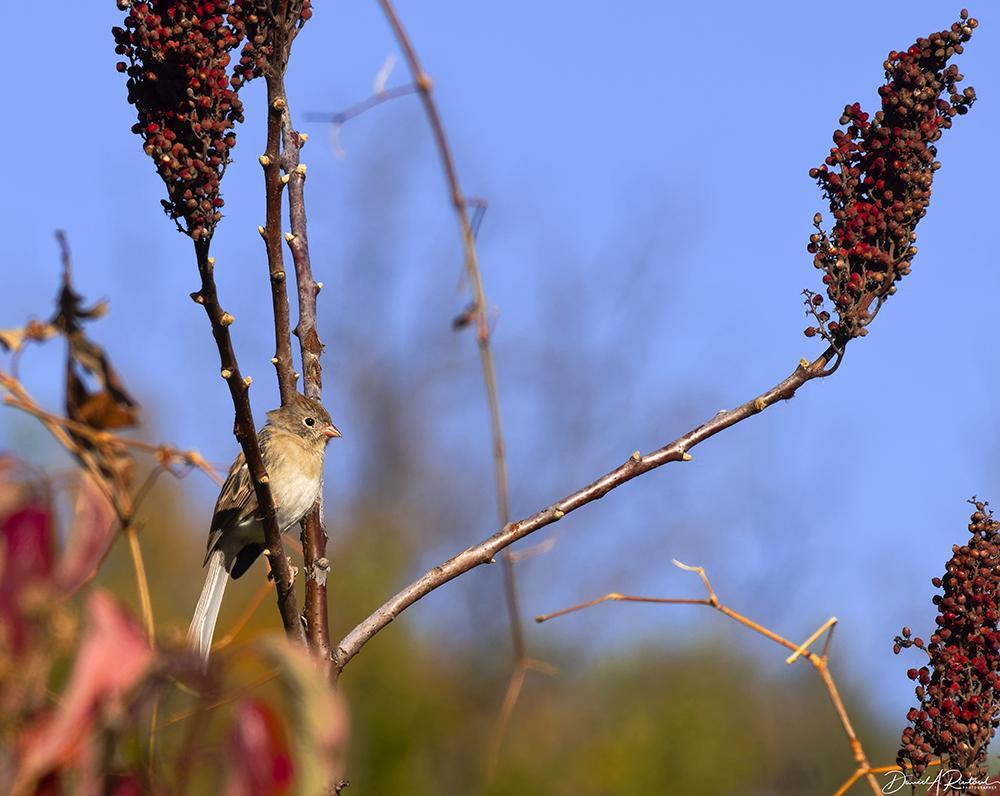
236	505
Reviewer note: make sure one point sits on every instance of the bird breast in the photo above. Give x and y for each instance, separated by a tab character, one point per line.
296	477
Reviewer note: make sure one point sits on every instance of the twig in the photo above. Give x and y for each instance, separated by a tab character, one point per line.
246	433
145	602
165	454
819	662
424	86
375	99
314	538
247	615
862	772
635	466
271	232
229	698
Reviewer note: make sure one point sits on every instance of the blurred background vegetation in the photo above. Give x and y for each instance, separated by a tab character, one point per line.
635	293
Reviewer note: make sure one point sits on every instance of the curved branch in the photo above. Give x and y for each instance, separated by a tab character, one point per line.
636	465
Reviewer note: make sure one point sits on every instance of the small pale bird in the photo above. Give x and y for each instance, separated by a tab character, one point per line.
292	443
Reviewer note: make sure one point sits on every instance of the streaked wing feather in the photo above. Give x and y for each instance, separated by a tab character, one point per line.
237	502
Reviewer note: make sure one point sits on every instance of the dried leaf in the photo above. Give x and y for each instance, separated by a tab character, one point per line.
111	406
14	339
102	410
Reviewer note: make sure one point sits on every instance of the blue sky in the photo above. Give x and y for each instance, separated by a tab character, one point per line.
656	161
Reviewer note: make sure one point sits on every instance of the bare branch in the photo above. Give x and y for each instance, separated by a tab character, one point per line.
635	466
314	538
271	232
819	662
246	433
478	312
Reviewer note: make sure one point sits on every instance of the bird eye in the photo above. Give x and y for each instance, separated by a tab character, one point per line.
309	422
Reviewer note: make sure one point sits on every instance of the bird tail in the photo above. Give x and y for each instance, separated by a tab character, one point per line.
207	613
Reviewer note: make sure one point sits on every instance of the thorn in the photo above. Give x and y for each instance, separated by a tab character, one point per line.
686	457
301	169
636	456
284	179
247	380
264	160
261	231
226	319
289	237
226	373
197	298
803	363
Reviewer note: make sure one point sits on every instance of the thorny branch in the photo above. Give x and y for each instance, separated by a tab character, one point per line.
820	662
636	465
478	315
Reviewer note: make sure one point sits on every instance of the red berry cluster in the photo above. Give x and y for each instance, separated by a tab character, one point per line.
178	55
959	688
877	178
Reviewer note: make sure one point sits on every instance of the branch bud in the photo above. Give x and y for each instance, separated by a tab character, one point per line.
226	373
264	160
226	319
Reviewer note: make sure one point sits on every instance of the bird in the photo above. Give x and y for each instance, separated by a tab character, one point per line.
292	443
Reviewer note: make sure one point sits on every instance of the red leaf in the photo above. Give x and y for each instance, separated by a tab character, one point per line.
26	555
113	656
93	523
261	761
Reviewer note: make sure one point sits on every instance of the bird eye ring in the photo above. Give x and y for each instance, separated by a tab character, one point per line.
309	422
